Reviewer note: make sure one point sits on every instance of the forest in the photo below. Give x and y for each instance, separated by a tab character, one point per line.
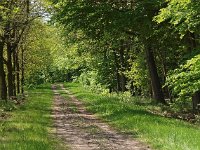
140	55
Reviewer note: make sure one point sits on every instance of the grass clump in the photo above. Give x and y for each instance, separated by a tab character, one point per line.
160	132
29	127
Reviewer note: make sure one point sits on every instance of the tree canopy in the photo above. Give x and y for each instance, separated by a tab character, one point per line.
149	48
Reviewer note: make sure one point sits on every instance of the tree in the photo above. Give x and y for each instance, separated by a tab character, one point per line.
183	16
16	17
184	81
96	18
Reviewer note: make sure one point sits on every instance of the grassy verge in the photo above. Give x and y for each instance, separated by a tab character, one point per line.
29	126
160	132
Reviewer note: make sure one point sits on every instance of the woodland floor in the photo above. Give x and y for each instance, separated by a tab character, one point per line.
81	130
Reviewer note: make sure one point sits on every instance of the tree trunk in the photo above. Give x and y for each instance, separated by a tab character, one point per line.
22	71
166	90
3	88
17	73
196	100
14	73
122	67
190	41
117	70
192	46
155	81
132	89
10	70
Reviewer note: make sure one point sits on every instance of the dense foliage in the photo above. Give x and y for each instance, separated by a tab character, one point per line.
148	48
136	45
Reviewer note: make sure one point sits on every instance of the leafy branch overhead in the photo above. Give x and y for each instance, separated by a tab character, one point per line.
183	15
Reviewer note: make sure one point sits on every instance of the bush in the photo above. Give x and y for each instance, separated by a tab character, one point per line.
184	82
89	80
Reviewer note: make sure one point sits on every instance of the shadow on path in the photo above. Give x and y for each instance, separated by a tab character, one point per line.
82	130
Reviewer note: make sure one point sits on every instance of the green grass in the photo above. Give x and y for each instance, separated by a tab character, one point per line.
30	126
160	132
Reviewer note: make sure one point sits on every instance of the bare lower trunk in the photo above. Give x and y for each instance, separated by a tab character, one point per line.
10	71
117	71
22	72
14	74
3	88
122	67
17	73
155	82
196	101
196	96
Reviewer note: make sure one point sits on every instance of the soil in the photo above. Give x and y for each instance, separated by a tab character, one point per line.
81	130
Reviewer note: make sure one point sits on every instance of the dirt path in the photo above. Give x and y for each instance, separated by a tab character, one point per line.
84	131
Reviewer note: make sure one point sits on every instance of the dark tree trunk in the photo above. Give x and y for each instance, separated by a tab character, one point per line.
17	73
192	46
3	88
22	71
190	41
166	90
196	100
117	70
14	73
10	70
122	67
155	81
132	89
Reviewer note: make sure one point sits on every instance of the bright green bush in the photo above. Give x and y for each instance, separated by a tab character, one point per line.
185	81
89	80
